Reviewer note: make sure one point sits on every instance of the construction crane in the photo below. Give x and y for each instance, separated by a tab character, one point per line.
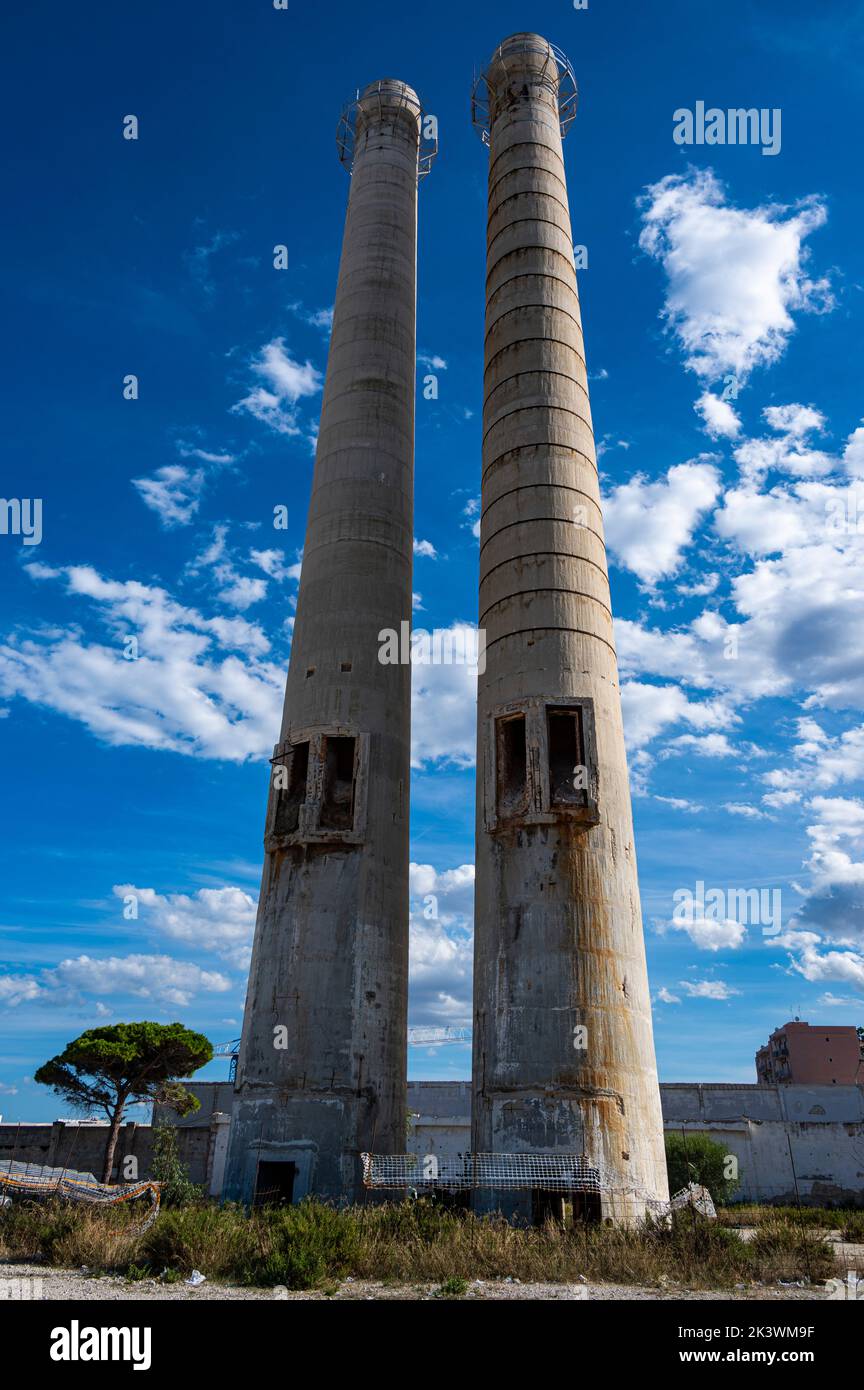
425	1037
229	1049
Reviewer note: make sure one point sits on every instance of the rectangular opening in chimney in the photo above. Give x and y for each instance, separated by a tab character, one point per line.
511	766
337	802
291	797
568	772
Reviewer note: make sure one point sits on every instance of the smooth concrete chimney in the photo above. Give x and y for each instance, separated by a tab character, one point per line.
321	1072
563	1045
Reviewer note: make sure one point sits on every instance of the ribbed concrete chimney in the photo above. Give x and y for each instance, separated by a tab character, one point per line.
322	1067
563	1046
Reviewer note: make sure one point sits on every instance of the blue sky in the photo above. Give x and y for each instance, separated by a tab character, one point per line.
735	527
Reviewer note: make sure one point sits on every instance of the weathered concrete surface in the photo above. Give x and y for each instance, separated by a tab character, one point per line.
330	961
558	931
812	1136
823	1125
81	1147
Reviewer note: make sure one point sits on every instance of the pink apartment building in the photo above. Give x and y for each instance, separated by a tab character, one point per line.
806	1055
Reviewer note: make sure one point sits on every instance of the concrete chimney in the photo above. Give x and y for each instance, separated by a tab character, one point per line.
321	1072
563	1045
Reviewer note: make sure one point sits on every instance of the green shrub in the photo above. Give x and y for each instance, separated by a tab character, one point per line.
168	1169
313	1245
853	1228
696	1158
454	1287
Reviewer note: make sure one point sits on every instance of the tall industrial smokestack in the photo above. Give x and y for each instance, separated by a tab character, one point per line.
322	1067
563	1046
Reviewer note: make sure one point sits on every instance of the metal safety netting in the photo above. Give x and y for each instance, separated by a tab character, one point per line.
561	1172
32	1180
454	1172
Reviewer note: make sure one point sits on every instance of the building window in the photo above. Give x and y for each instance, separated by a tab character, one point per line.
568	772
337	802
511	767
291	797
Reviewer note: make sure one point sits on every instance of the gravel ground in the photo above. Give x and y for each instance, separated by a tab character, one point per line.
76	1285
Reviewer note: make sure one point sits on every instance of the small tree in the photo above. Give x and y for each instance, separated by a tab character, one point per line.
108	1067
696	1158
168	1169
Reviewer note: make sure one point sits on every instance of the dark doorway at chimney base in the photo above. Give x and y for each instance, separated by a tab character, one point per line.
274	1184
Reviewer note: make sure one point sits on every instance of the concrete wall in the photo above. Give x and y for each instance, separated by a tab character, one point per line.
440	1117
81	1147
823	1124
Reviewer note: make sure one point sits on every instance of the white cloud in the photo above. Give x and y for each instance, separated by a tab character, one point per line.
18	989
241	591
649	524
820	762
790	453
158	978
666	996
795	420
432	360
199	258
206	455
199	686
709	933
230	586
607	443
704	745
287	382
444	706
707	989
649	709
706	585
797	624
853	453
740	808
216	919
781	799
471	510
454	888
719	418
441	954
425	548
847	967
173	493
272	562
734	275
834	905
680	803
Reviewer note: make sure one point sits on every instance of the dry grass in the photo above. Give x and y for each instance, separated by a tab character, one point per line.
821	1218
312	1244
